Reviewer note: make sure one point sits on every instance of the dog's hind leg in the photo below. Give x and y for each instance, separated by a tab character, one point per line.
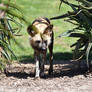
51	63
51	57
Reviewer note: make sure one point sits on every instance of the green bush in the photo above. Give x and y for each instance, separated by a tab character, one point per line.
11	17
81	17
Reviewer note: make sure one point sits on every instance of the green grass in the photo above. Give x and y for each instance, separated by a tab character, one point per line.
48	8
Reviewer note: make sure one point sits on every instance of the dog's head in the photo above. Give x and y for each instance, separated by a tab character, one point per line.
40	34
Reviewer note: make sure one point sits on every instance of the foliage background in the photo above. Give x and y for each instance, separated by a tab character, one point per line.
47	8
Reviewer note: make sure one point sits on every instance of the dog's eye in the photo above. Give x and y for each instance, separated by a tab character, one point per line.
38	41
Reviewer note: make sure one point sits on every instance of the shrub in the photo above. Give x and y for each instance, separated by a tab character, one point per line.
81	17
11	16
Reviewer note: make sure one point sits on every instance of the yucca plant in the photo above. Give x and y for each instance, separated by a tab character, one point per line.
81	17
11	16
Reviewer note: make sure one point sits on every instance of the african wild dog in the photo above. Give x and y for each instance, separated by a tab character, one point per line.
41	38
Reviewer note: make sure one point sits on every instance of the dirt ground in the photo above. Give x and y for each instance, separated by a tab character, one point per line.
67	77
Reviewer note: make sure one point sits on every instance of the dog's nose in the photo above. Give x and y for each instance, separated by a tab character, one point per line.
43	49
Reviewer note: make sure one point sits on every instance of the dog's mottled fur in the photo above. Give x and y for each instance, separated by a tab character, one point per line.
41	39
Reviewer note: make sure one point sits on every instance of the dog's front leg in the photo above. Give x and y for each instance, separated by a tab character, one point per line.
42	64
37	68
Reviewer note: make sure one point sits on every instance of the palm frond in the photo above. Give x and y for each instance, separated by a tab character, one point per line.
81	17
11	13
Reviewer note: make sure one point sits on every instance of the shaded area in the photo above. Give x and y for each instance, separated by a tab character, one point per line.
26	59
62	67
20	75
56	74
20	71
57	56
68	73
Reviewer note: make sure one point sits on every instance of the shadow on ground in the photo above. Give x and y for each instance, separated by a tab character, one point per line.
62	67
19	75
56	74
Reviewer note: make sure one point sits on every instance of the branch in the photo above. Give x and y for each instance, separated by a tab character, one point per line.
85	2
69	3
63	16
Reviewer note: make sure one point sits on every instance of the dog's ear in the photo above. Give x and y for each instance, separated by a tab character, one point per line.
32	30
48	30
